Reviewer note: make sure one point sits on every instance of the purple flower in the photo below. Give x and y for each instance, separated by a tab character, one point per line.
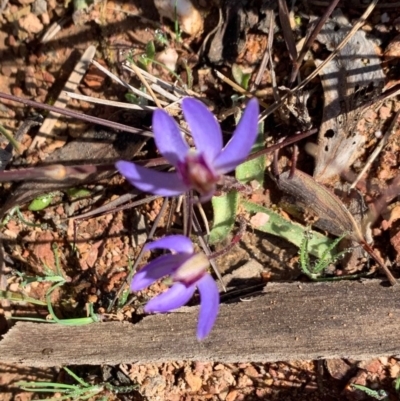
188	271
199	168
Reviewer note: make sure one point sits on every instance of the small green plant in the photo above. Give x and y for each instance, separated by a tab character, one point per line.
41	202
80	391
396	384
377	394
315	270
16	211
240	77
59	280
178	32
148	56
160	37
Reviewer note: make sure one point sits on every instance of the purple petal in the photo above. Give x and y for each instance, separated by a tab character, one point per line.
238	148
204	127
177	296
176	243
159	267
209	305
155	182
168	137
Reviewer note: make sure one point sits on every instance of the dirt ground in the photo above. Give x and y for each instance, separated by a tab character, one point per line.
95	253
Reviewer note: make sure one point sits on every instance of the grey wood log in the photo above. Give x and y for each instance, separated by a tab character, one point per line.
346	319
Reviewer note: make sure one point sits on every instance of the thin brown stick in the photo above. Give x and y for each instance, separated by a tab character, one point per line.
284	18
310	40
340	46
147	86
74	114
46	131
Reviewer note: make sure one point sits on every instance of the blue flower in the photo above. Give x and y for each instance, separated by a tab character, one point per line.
201	168
188	270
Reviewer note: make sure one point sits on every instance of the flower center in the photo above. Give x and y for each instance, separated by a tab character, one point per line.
192	270
198	174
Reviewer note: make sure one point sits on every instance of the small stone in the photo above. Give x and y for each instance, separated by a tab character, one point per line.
232	395
251	371
193	381
31	23
45	17
16	91
384	360
168	57
39	7
394	371
8	70
385	18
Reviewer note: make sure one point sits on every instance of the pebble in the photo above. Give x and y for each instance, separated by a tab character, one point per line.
31	23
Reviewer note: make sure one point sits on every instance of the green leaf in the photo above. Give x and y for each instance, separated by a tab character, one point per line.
17	297
237	74
246	80
131	98
225	209
10	138
150	50
41	202
253	169
77	192
240	77
268	221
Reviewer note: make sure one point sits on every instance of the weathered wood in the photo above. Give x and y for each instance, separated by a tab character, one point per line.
357	320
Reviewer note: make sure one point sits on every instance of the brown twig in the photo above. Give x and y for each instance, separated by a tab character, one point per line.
340	46
310	40
74	114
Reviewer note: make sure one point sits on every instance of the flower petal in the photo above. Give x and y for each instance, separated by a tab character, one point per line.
238	148
209	305
176	243
168	137
177	296
204	127
157	268
155	182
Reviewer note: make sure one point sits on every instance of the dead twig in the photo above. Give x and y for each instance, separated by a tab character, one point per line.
74	114
310	40
46	130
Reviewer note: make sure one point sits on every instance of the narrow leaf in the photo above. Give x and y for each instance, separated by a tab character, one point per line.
270	222
225	209
253	169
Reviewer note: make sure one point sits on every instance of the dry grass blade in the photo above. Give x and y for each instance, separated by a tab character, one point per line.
163	84
238	88
106	102
137	92
79	116
72	83
116	205
341	45
94	146
310	40
269	110
284	18
271	63
146	85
